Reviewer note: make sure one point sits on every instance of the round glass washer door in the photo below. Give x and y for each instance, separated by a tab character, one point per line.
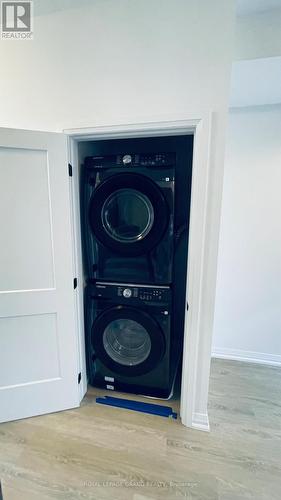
127	215
126	342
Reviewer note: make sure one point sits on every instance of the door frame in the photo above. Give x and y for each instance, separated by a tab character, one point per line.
201	283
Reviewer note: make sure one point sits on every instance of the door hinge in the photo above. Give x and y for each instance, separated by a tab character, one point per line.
75	283
79	377
70	170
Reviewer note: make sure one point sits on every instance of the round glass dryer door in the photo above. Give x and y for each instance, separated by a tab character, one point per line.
127	340
128	214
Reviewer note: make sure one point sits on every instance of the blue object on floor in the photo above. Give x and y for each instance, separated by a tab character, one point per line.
128	404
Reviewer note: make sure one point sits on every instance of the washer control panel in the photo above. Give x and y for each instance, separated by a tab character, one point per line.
128	292
142	293
147	159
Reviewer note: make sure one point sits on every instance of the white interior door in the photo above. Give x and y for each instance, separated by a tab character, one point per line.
38	342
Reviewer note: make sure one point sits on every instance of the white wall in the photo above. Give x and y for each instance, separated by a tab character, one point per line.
258	34
107	61
256	70
256	82
248	303
247	7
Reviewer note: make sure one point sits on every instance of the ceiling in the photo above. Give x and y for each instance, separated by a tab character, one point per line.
246	7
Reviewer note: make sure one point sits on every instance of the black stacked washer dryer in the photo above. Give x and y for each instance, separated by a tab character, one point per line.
128	205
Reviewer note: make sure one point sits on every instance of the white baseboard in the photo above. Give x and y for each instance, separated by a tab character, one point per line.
200	421
248	356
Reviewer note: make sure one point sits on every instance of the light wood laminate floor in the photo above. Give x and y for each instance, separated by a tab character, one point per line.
98	452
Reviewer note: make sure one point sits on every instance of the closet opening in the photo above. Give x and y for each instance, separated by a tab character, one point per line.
134	204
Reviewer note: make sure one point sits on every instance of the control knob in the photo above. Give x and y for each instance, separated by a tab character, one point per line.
127	293
127	159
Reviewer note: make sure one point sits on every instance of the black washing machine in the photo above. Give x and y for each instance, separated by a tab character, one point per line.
128	217
128	337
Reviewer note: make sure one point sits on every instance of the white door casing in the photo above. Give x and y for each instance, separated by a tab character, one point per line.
38	337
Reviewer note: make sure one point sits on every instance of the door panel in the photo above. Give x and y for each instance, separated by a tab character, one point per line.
40	360
38	343
27	262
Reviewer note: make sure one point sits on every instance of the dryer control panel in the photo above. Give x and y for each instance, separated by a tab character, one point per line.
132	160
129	292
